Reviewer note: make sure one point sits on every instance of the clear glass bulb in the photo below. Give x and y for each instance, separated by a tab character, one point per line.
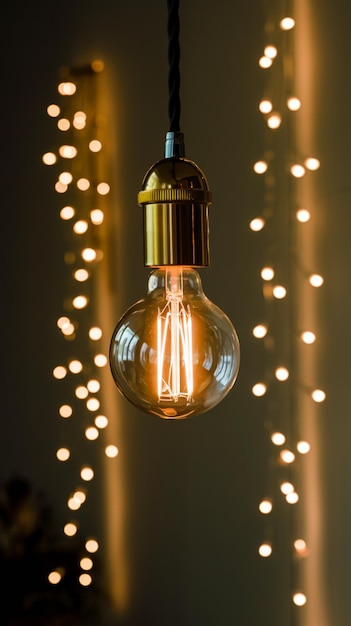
174	353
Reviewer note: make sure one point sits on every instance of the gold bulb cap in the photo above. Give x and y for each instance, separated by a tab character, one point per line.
175	197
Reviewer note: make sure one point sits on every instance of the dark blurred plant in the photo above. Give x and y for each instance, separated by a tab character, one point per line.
29	551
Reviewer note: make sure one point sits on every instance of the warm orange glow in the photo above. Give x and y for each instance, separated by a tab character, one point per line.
303	215
259	389
68	152
75	366
312	164
81	392
97	65
91	433
111	451
287	488
63	321
100	360
293	103
65	178
267	273
174	329
93	385
103	189
274	120
265	550
87	473
93	404
278	439
86	563
265	62
60	187
63	454
279	292
260	331
287	23
49	158
54	577
67	212
292	497
95	333
316	280
297	170
257	224
101	421
70	529
95	145
299	599
53	110
80	495
65	411
260	167
74	503
287	456
265	507
83	184
81	275
318	395
91	546
265	106
80	227
270	52
63	124
89	254
67	88
282	373
68	330
300	547
59	372
85	580
79	120
308	337
303	447
97	216
80	302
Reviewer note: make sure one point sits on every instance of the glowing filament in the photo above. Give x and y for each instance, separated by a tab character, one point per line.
174	343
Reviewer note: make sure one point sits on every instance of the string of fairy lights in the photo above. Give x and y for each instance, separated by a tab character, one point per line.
78	160
280	168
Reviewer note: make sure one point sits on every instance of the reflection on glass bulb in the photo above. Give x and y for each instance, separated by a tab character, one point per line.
174	353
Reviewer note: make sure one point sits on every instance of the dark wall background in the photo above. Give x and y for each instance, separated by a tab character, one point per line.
191	523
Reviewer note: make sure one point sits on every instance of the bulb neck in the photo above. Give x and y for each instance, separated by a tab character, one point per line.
174	281
174	145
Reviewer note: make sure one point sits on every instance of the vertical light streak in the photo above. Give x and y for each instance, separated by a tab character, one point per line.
315	610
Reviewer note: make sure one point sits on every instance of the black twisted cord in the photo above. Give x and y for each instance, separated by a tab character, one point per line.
173	65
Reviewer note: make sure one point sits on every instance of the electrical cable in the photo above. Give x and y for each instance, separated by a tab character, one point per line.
173	61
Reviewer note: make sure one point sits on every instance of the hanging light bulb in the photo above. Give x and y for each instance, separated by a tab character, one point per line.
175	353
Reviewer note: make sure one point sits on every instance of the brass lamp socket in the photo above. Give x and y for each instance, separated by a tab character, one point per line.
175	198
